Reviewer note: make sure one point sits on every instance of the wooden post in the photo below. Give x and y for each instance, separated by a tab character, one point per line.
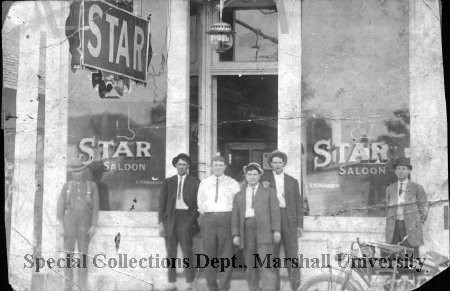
177	121
24	184
290	85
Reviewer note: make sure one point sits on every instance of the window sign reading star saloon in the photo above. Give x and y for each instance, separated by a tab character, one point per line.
138	151
370	158
114	40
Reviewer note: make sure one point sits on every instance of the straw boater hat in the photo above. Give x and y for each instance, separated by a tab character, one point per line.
256	165
277	153
181	156
402	161
76	166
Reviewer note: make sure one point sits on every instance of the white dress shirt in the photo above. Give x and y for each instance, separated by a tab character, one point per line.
206	198
279	181
179	204
401	198
249	211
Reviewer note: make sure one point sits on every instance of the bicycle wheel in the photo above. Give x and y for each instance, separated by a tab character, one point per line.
327	282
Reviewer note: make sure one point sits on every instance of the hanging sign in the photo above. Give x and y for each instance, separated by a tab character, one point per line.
114	40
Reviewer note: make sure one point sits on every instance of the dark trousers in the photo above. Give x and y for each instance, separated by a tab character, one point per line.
77	222
182	235
254	274
217	243
399	235
289	241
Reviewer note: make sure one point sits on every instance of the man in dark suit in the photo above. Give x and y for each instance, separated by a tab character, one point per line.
407	211
255	227
291	211
178	217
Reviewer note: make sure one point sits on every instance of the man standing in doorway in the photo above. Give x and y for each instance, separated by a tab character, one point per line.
291	211
255	226
77	212
407	211
177	217
215	202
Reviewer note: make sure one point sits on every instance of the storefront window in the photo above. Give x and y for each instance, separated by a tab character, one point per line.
355	102
123	134
256	34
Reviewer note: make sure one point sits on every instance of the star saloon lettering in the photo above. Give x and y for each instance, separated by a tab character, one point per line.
358	158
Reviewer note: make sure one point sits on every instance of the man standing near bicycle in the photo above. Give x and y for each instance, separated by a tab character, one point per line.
406	209
291	211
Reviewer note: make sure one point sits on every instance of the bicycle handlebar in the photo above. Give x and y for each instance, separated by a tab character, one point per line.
397	249
394	248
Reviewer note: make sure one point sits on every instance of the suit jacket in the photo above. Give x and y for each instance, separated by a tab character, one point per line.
414	210
293	197
167	200
267	214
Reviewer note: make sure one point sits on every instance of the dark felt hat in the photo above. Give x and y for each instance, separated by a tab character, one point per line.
183	157
277	153
256	165
76	165
402	161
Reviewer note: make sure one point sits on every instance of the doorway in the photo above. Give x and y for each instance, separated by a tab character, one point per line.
247	110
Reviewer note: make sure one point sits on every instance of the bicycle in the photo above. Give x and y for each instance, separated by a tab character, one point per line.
353	278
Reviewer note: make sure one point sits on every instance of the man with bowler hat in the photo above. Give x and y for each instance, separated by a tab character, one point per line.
406	209
255	227
291	211
77	212
177	217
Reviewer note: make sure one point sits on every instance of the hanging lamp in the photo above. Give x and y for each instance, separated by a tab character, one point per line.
221	34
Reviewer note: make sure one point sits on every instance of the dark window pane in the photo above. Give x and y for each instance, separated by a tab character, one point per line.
193	130
256	35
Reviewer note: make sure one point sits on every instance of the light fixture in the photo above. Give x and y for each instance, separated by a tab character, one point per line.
221	34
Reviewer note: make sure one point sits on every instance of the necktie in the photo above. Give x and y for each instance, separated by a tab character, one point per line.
253	197
400	191
279	185
400	207
179	188
217	190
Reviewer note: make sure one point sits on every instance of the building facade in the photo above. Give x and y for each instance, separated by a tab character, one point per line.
343	88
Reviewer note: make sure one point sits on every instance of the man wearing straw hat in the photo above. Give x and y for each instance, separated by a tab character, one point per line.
255	227
77	212
407	211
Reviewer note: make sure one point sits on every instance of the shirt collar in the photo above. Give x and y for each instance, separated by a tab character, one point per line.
181	177
278	175
256	187
404	182
220	177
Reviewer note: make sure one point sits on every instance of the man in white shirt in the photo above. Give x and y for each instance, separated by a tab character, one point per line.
215	202
407	209
291	211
